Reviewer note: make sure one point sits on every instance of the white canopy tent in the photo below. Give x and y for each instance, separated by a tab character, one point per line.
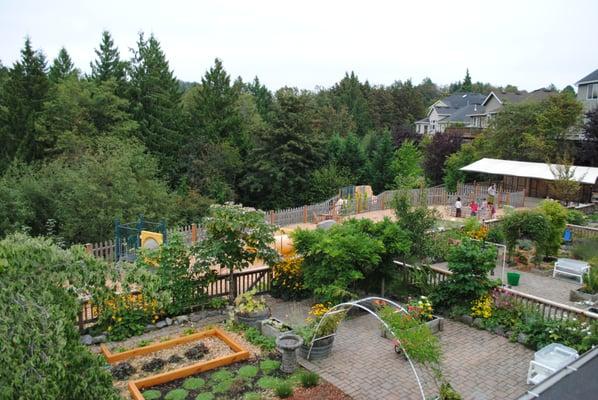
524	169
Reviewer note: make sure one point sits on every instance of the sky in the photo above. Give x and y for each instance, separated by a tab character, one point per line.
310	44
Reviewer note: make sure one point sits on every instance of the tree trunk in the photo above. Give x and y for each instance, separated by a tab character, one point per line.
232	284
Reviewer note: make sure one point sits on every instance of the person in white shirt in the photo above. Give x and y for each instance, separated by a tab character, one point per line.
458	207
491	193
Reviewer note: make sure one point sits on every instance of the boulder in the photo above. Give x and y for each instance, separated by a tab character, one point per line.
466	319
150	327
196	316
522	338
86	340
478	323
99	339
327	224
168	321
181	319
161	324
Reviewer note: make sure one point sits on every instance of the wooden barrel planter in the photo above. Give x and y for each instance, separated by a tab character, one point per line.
321	349
253	319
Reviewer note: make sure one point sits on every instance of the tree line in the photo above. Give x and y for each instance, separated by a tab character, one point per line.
129	138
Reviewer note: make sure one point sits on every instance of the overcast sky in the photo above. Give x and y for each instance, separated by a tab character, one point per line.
312	43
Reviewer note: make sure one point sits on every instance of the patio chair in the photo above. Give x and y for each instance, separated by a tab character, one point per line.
567	237
569	267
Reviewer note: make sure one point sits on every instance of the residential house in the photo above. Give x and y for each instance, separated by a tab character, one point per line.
453	110
587	91
495	101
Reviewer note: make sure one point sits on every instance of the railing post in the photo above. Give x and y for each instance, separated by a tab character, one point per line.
193	233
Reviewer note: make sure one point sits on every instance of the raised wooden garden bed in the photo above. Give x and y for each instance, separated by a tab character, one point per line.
134	386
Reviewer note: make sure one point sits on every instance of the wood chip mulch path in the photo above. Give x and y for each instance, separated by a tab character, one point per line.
324	391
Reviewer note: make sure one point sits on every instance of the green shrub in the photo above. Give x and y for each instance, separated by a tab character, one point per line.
41	355
496	235
448	393
585	249
590	280
576	217
248	371
268	382
283	390
268	366
205	396
309	379
470	263
176	394
254	337
252	396
193	383
152	394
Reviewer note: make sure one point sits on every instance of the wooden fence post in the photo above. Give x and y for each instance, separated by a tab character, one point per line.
89	248
305	214
193	233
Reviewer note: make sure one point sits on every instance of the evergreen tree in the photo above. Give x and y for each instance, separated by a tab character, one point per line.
62	67
379	162
21	100
263	98
466	86
155	103
279	169
213	113
108	64
352	93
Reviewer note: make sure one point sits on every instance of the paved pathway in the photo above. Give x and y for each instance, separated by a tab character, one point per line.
480	365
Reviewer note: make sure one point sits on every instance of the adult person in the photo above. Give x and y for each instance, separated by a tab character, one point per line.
473	206
491	193
458	206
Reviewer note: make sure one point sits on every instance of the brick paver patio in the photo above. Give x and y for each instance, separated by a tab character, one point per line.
480	365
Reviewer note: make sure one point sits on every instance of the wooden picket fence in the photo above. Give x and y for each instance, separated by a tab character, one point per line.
244	281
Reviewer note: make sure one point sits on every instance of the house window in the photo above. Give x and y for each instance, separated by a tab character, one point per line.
593	91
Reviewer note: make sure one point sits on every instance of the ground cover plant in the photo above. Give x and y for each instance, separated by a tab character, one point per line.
257	379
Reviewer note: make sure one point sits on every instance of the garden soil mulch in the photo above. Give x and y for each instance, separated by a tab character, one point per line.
324	391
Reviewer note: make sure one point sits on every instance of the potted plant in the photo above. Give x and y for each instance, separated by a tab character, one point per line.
589	290
274	327
421	310
250	310
318	338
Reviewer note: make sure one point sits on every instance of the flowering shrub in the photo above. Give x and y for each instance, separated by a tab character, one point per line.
327	327
480	234
287	282
125	315
482	307
420	309
247	302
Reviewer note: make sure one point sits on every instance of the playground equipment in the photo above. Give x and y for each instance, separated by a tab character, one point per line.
135	235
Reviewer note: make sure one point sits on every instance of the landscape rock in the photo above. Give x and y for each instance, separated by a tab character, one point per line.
197	316
181	319
478	323
168	321
99	339
150	327
161	324
327	224
86	340
499	330
522	338
213	313
466	319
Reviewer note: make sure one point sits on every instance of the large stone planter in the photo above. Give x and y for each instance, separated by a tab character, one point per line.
578	295
321	349
252	319
436	324
273	327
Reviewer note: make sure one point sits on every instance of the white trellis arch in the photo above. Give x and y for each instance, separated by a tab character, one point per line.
344	307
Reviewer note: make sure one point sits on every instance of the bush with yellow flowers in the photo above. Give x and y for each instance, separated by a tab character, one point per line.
327	326
482	307
421	309
287	282
126	315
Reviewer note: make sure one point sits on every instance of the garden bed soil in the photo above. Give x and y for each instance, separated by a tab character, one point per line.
216	348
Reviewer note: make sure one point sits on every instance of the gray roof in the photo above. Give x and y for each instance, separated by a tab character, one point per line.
524	96
423	121
592	77
463	113
460	99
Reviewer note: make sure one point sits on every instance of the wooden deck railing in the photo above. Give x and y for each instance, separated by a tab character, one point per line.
548	308
257	278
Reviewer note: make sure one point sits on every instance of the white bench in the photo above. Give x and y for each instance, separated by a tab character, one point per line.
567	266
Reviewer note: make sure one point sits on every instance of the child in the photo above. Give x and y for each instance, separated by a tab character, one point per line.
458	207
492	212
474	208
